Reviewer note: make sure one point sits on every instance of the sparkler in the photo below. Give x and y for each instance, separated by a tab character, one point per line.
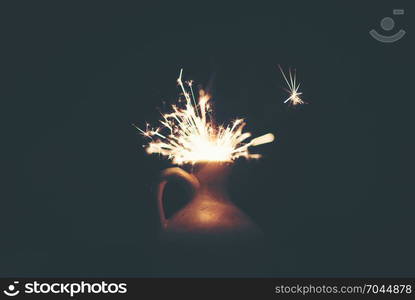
294	98
188	134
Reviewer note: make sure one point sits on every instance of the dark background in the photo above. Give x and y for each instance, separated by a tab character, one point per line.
332	193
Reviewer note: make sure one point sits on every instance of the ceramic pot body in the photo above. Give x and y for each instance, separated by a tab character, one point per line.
209	216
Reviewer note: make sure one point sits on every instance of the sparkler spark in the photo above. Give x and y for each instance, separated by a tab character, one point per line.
192	135
292	90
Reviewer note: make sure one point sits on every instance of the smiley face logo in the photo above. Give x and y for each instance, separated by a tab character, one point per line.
388	24
11	290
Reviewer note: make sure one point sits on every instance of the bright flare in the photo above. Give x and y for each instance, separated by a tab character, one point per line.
192	136
294	98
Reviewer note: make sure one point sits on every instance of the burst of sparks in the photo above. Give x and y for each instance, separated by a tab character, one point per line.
192	136
293	87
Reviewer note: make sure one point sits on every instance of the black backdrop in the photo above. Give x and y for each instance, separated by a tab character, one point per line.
331	194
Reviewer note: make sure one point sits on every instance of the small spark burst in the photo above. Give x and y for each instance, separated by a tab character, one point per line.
192	136
293	87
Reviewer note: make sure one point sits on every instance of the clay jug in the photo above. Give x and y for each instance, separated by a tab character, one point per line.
209	216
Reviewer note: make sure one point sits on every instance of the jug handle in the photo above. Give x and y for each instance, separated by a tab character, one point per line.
180	175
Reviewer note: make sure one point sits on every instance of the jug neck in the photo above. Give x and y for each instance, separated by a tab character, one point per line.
212	174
